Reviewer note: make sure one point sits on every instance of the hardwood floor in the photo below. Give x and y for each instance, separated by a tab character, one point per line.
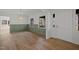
30	41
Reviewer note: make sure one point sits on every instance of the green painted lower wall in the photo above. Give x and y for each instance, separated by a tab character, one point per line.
27	27
36	29
18	27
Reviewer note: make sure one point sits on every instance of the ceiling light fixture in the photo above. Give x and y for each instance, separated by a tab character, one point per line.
20	17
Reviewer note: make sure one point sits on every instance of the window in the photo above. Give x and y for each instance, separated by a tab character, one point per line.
78	22
77	13
42	21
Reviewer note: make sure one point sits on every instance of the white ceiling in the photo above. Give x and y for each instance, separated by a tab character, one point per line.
8	12
26	12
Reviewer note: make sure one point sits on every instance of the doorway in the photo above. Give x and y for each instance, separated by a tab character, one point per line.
4	25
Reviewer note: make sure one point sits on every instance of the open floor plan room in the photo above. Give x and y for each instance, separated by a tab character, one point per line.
39	29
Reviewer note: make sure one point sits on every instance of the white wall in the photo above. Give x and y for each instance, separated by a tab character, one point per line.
63	24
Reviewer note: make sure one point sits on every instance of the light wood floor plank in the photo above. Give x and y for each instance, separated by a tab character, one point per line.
31	41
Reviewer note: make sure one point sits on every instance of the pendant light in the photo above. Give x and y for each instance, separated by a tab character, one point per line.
20	17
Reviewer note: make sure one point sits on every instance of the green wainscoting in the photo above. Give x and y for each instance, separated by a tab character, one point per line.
37	30
27	27
18	27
